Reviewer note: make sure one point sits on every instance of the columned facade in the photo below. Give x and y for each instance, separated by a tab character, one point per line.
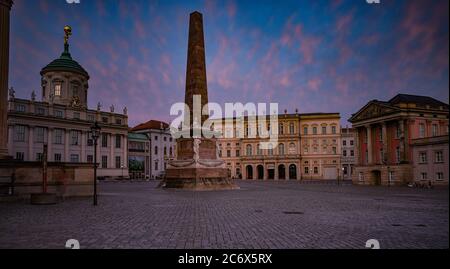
384	134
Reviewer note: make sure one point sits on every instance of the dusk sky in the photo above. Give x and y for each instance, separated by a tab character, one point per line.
317	56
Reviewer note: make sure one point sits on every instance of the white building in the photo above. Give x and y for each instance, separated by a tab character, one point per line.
62	120
161	143
348	159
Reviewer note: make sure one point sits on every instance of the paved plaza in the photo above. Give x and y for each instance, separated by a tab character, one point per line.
259	215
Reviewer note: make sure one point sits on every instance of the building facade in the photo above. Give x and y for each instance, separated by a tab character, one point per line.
162	145
307	148
62	120
430	158
385	133
349	152
139	156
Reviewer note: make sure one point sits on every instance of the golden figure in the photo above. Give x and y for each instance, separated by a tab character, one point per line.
67	33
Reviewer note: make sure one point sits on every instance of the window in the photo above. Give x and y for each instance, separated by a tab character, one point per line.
439	157
281	129
361	176
90	140
228	153
314	130
270	149
305	130
90	158
306	170
165	151
390	177
57	89
119	121
20	156
156	138
40	132
422	157
344	142
90	118
423	176
333	129
156	165
104	140
58	113
20	108
334	150
381	156
170	151
58	136
118	163
39	157
352	153
76	115
292	148
315	149
40	111
397	154
421	130
305	150
20	133
324	129
344	153
238	153
74	140
105	119
165	138
248	150
118	141
281	149
104	161
258	150
291	128
74	158
351	142
74	90
316	170
57	157
345	170
156	150
439	176
434	130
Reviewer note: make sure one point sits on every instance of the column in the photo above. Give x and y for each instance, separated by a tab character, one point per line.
66	145
357	147
30	143
402	139
369	144
49	144
10	138
83	147
385	142
112	158
5	8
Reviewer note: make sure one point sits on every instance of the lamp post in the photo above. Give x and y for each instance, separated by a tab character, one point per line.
95	130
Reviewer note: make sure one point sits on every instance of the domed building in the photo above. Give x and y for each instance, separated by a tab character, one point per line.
62	120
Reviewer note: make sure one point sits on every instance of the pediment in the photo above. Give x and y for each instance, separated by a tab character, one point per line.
373	110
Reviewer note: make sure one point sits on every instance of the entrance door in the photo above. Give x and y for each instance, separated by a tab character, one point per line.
271	173
281	171
376	177
249	169
292	171
260	169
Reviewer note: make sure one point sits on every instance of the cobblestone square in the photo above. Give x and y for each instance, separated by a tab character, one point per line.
260	215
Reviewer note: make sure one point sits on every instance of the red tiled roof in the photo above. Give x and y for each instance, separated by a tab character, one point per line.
151	124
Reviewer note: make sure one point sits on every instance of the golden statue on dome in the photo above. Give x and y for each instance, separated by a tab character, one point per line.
67	33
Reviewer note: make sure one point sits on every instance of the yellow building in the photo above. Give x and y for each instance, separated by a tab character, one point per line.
308	147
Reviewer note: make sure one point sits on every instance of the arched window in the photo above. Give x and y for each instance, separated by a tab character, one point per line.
270	149
249	150
258	150
280	129
281	149
305	130
291	128
314	130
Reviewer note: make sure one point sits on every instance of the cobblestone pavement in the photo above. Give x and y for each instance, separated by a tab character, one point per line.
259	215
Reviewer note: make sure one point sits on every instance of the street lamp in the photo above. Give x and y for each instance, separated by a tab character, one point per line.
95	130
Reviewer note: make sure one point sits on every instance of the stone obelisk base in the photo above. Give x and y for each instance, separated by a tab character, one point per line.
199	179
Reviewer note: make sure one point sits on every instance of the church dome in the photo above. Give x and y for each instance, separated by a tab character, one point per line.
65	63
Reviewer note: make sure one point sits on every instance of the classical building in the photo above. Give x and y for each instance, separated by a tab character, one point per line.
139	156
430	159
386	132
161	143
62	120
349	152
308	148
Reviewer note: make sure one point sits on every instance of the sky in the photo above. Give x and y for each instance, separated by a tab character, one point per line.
310	55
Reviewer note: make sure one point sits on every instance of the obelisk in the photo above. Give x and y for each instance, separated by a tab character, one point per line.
198	166
5	8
